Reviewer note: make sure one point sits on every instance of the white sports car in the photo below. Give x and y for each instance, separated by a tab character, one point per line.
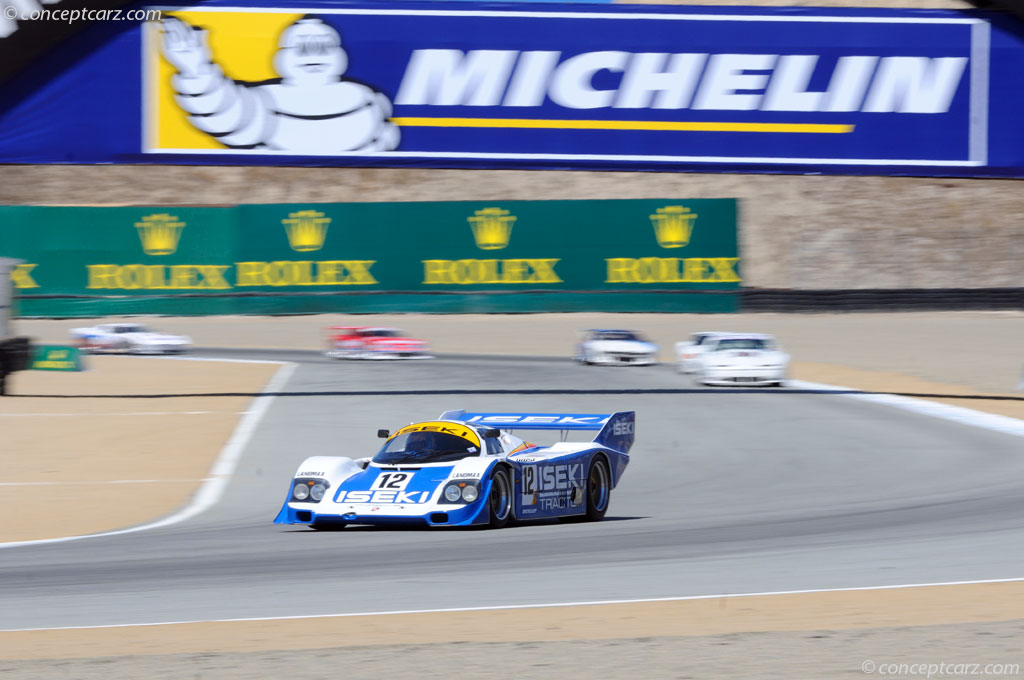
742	358
615	347
688	352
128	338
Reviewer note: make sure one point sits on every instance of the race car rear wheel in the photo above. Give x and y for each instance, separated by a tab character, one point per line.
500	498
599	489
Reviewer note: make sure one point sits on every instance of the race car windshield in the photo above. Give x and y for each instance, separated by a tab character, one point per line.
382	334
742	343
616	336
425	447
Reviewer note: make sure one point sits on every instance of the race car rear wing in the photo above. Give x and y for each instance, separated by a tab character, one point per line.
617	430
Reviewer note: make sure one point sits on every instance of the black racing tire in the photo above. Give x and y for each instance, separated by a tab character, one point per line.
599	489
500	498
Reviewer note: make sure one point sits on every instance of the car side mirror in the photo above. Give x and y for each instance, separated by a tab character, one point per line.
492	433
383	434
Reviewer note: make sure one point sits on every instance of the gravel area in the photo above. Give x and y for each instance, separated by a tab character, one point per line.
966	651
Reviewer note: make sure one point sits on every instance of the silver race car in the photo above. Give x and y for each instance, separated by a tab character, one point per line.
128	338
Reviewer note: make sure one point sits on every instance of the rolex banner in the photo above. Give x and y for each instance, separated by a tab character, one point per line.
503	256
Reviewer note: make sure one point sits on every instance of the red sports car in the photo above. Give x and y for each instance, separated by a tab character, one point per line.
373	342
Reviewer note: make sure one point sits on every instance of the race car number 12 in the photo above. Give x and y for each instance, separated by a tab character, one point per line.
392	480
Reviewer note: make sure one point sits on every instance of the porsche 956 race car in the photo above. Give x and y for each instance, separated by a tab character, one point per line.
467	469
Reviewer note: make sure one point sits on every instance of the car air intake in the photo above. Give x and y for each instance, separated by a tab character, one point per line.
304	515
439	518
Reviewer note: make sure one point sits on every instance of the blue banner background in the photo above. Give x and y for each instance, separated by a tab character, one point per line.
83	103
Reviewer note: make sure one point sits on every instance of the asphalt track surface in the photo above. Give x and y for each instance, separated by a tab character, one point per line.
728	491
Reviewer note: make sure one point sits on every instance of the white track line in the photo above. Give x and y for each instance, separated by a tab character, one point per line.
212	489
956	414
592	603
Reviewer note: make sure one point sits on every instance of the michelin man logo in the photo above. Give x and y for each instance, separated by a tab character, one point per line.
310	109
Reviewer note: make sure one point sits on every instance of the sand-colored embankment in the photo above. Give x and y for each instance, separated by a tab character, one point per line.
81	455
830	610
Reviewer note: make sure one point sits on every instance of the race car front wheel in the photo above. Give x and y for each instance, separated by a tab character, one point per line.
500	499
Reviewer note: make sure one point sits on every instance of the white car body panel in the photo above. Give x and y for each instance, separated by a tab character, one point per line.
128	338
476	467
744	366
337	469
595	350
688	352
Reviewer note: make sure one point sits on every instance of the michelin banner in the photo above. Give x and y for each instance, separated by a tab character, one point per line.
485	85
629	255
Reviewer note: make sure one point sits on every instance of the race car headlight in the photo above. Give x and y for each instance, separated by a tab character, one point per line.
309	490
461	492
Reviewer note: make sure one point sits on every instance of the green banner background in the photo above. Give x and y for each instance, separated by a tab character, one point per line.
56	358
523	256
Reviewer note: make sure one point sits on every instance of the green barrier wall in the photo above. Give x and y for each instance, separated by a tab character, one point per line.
512	256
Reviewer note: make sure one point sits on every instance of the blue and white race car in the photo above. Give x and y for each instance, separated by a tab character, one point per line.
467	469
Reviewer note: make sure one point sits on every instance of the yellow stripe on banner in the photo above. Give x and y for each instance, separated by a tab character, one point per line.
669	126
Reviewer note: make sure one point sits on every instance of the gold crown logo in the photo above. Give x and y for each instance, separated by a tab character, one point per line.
673	225
306	230
159	233
492	228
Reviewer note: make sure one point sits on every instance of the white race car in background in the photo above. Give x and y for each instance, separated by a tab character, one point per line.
688	352
128	338
615	347
741	359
